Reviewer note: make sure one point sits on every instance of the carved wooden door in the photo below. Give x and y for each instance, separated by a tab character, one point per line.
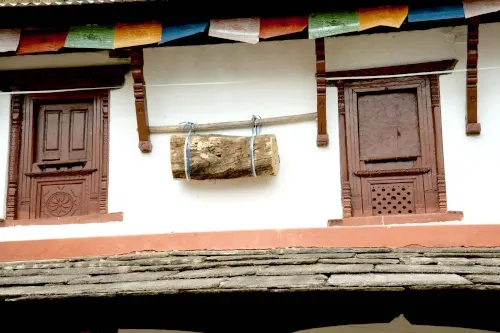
391	150
61	160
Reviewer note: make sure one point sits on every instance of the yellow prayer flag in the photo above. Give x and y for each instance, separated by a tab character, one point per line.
389	16
127	35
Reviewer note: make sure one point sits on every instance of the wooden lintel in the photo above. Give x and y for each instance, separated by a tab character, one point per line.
141	107
322	138
63	78
425	67
473	127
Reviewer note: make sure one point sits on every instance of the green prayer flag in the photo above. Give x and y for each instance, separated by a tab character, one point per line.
329	24
91	37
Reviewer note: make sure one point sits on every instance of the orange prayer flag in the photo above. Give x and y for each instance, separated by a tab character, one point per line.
40	40
273	27
389	16
137	34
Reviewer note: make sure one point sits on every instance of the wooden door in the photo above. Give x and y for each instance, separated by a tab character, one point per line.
390	136
62	162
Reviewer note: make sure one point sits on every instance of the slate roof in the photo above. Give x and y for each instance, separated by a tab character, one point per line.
291	269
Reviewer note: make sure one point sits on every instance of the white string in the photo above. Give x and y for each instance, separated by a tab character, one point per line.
253	81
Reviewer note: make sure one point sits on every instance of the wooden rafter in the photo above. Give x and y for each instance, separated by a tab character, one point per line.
141	107
322	138
473	126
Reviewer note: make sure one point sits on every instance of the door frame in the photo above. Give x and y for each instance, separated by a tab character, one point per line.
21	180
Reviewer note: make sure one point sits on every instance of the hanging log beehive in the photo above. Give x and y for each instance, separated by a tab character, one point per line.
223	157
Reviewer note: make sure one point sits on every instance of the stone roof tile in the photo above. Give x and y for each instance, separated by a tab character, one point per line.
274	270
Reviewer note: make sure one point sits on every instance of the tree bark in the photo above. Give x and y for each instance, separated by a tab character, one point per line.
224	157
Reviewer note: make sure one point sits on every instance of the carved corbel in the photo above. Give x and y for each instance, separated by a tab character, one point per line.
473	126
141	108
322	138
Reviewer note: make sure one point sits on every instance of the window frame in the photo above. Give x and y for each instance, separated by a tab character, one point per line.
437	144
21	139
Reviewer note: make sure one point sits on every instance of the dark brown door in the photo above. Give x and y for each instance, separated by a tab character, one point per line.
391	141
62	165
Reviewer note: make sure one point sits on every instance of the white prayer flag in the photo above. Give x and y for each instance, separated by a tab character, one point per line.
480	7
242	30
9	39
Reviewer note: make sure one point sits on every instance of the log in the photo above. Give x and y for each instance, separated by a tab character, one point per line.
224	156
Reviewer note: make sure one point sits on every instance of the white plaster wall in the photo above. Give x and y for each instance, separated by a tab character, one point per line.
234	81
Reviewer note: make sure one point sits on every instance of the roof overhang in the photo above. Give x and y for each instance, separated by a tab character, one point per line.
284	289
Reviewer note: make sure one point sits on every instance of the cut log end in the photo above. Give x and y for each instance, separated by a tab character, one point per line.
223	157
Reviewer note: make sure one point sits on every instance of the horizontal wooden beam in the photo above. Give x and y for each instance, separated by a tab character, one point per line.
182	128
63	78
433	66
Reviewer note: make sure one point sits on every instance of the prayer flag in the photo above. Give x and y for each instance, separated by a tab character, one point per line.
436	13
127	35
480	7
91	36
242	30
9	39
389	16
174	32
273	27
41	40
329	24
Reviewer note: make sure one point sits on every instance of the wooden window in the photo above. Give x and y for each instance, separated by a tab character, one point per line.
391	147
58	163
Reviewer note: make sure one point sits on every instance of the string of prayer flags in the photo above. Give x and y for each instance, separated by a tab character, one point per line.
127	35
436	13
9	39
480	7
174	32
241	30
91	36
330	24
41	40
273	27
389	16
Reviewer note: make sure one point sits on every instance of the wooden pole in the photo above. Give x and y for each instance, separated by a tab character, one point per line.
181	128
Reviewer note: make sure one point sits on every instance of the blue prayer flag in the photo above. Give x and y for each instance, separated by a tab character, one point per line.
173	32
436	13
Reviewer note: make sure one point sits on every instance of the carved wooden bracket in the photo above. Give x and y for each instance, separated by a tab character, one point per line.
322	138
141	107
473	127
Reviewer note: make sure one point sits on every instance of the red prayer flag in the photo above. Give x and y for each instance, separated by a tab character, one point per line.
273	27
41	40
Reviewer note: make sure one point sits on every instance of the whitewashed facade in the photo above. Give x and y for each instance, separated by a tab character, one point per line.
235	81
